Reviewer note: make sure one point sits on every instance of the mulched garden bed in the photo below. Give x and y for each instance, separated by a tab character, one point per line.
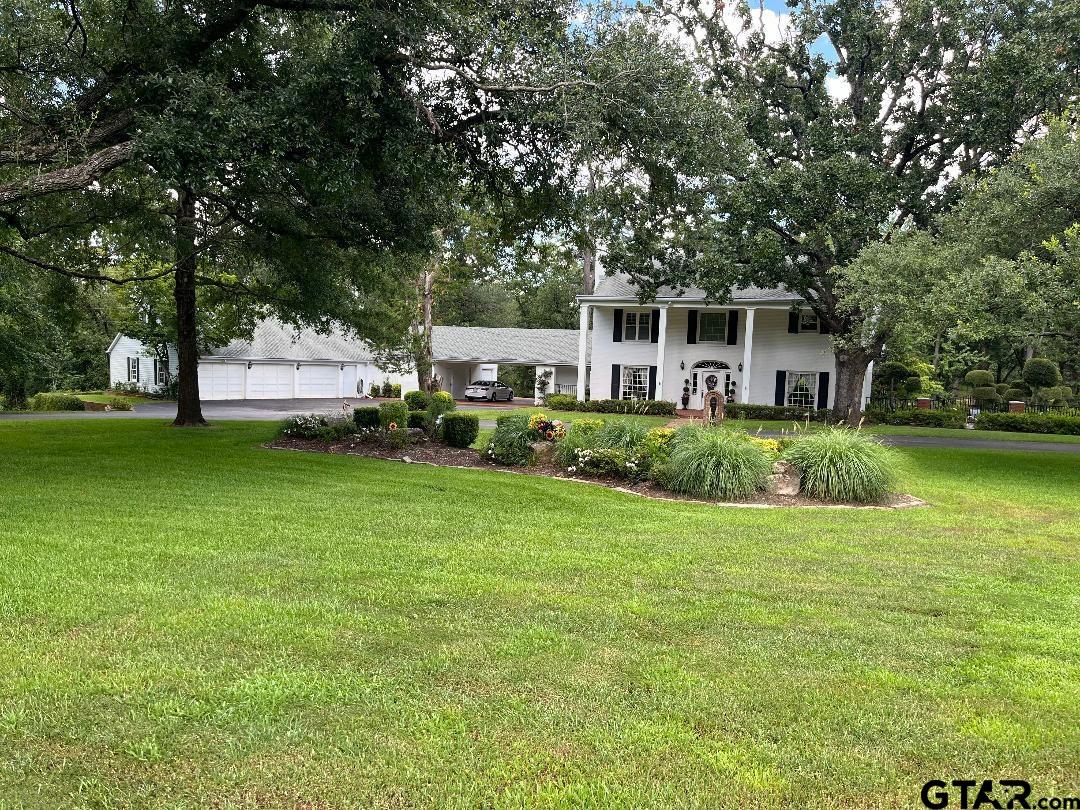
440	455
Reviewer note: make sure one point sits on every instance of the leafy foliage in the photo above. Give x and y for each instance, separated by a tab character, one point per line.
511	442
841	464
459	429
56	402
393	415
417	400
716	463
654	407
1029	422
366	417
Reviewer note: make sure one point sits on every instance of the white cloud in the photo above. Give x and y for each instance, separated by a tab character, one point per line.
837	87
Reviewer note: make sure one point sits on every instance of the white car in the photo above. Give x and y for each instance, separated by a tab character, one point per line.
491	390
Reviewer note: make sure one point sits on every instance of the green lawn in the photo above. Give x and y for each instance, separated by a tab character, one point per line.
188	620
134	399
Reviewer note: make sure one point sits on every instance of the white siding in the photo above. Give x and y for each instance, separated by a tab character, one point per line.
318	381
125	347
776	349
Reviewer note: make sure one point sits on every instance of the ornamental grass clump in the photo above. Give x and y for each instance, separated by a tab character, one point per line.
715	463
841	464
511	443
580	435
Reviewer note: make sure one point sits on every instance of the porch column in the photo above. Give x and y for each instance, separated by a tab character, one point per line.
582	351
661	342
868	378
747	352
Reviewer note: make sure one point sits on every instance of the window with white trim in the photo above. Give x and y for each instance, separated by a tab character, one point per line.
808	321
635	382
712	327
801	388
637	325
133	369
161	372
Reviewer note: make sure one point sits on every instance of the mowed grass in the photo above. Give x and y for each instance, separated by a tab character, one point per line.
188	620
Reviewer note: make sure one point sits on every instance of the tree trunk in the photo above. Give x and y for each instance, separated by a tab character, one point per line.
423	357
851	365
588	269
188	406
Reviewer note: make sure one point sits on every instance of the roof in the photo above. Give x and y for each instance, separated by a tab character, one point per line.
557	347
619	286
273	340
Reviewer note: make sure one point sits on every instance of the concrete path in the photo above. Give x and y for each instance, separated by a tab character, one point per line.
273	409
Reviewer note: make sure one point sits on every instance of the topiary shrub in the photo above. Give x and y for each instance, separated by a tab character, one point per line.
366	417
460	429
979	378
1015	395
840	464
764	413
985	394
1002	388
441	402
417	400
715	463
56	402
1041	373
511	443
393	415
1058	394
120	404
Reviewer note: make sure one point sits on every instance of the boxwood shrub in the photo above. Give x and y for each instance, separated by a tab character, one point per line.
922	417
393	413
650	407
417	400
460	429
1029	423
56	402
418	419
841	464
366	417
765	413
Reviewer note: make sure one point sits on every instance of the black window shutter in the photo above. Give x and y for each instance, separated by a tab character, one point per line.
615	380
732	327
781	384
616	334
822	327
652	382
691	326
792	322
823	390
654	327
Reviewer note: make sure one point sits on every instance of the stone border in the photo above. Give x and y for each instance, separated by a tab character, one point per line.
904	501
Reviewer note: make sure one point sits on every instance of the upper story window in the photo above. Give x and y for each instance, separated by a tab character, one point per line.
712	327
808	321
637	325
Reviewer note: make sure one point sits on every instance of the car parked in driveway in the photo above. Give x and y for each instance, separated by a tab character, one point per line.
491	390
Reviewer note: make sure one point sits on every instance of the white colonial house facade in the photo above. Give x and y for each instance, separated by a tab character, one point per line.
762	347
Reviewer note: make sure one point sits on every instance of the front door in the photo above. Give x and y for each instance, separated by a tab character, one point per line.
705	377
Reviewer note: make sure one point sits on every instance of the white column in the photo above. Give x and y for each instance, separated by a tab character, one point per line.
582	349
661	343
748	347
865	383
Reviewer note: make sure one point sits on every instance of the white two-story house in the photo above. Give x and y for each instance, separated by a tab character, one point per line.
761	347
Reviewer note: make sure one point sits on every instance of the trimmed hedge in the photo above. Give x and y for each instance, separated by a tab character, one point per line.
920	417
648	407
56	402
396	413
366	417
417	400
120	404
460	429
1029	423
418	419
766	413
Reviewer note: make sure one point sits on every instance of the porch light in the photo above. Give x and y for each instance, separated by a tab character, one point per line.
249	365
682	364
297	366
740	366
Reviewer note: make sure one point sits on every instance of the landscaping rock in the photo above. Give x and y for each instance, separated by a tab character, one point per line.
543	450
785	480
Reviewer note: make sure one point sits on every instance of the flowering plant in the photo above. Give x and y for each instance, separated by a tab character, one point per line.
549	429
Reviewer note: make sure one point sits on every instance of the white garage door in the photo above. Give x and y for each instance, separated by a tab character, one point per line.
318	381
221	381
270	381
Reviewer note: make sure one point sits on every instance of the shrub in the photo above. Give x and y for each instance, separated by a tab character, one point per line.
1015	395
374	390
395	414
657	444
1002	388
441	402
126	389
841	464
3	403
366	417
398	439
607	461
565	402
547	429
979	378
985	393
460	429
1029	423
921	417
56	402
715	463
417	400
304	426
771	447
1041	373
387	389
579	436
764	413
418	419
119	404
1056	393
395	390
337	427
511	443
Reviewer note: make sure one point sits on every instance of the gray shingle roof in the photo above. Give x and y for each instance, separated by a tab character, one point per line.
620	286
273	340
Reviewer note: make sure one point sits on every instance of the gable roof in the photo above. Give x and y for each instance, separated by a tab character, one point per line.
274	340
619	287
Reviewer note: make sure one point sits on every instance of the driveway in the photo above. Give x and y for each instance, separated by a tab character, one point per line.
274	409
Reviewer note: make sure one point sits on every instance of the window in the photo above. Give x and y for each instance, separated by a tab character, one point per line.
801	388
635	382
636	325
712	327
161	372
133	369
808	321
